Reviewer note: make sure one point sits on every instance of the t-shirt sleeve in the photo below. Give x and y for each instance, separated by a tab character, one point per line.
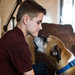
21	58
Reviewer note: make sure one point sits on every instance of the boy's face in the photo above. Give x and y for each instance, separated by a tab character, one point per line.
34	25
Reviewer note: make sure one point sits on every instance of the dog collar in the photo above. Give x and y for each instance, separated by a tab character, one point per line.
71	64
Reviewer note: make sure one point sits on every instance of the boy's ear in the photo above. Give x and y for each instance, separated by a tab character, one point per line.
25	19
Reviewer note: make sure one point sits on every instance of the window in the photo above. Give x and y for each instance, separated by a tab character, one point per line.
68	12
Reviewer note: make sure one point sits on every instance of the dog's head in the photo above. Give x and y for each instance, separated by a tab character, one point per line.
51	46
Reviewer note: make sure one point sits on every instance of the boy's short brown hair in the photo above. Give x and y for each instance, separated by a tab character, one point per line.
31	8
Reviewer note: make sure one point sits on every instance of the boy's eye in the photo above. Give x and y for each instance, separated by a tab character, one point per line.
38	22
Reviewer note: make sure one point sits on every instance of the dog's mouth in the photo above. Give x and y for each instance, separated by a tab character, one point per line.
39	42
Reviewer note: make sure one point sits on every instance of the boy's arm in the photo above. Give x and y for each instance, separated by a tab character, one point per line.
31	72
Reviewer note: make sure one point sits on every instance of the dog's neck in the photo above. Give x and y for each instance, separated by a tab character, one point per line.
67	58
71	58
68	61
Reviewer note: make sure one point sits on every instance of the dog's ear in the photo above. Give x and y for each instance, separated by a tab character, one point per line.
59	54
56	52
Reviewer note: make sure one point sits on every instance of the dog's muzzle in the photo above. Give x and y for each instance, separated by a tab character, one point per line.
39	42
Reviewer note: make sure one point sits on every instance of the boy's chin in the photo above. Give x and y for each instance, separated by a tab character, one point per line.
35	35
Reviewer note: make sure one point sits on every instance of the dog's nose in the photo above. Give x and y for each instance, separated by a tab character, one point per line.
43	38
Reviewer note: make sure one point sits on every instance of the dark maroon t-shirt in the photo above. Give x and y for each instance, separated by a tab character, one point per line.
15	56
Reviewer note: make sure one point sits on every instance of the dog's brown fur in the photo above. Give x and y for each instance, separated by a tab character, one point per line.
65	55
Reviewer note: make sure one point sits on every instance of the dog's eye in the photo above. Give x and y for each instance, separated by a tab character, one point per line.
54	53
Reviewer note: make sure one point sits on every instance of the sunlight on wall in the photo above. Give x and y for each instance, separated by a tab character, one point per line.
73	27
46	19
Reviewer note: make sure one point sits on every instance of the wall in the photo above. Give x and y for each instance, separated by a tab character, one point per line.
5	9
52	7
0	26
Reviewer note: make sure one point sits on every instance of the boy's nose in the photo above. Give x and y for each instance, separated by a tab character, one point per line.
40	27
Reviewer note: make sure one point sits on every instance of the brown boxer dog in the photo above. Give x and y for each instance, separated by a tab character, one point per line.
60	57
